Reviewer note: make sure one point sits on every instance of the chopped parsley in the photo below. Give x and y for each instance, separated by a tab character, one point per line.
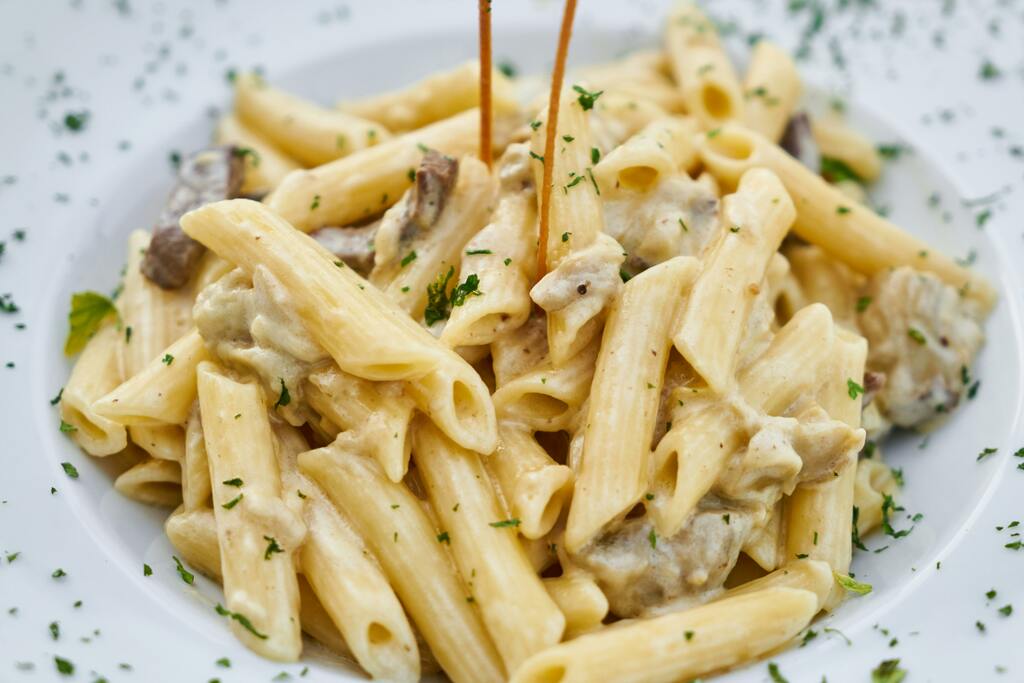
272	547
58	573
233	482
186	576
888	671
808	637
538	157
586	98
244	152
891	151
852	585
440	302
989	71
835	171
69	469
1006	610
55	630
284	398
408	258
888	504
506	523
652	538
167	359
64	666
233	502
595	155
917	336
775	674
688	635
474	252
985	453
534	125
147	570
76	121
223	662
568	138
507	68
843	210
88	311
56	399
316	203
241	619
853	389
443	537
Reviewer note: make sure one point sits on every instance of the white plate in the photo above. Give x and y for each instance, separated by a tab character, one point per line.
148	74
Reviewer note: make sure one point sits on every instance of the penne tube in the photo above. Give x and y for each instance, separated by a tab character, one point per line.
163	391
438	96
265	165
95	373
153	482
152	318
689	458
193	533
403	537
576	241
873	481
502	255
163	442
819	514
405	277
624	399
836	140
771	90
257	533
195	468
809	575
581	601
379	411
362	185
535	487
518	613
347	580
305	131
756	218
662	149
618	115
850	232
766	545
547	398
366	334
679	646
642	76
701	68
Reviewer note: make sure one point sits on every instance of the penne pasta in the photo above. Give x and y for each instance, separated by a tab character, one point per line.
624	399
257	533
534	486
838	141
360	328
438	96
722	634
755	220
366	183
849	232
662	149
518	613
305	131
95	373
163	391
771	90
702	70
404	539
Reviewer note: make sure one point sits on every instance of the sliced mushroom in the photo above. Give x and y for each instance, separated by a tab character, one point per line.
207	176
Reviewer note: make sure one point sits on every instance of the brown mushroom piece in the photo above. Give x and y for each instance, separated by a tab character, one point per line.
353	245
209	175
434	182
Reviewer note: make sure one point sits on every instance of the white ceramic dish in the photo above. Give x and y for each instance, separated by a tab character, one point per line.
148	73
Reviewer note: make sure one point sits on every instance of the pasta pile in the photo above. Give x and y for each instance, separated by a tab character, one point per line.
377	423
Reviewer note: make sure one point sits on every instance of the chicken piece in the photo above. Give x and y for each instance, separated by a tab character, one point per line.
923	336
207	176
677	217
